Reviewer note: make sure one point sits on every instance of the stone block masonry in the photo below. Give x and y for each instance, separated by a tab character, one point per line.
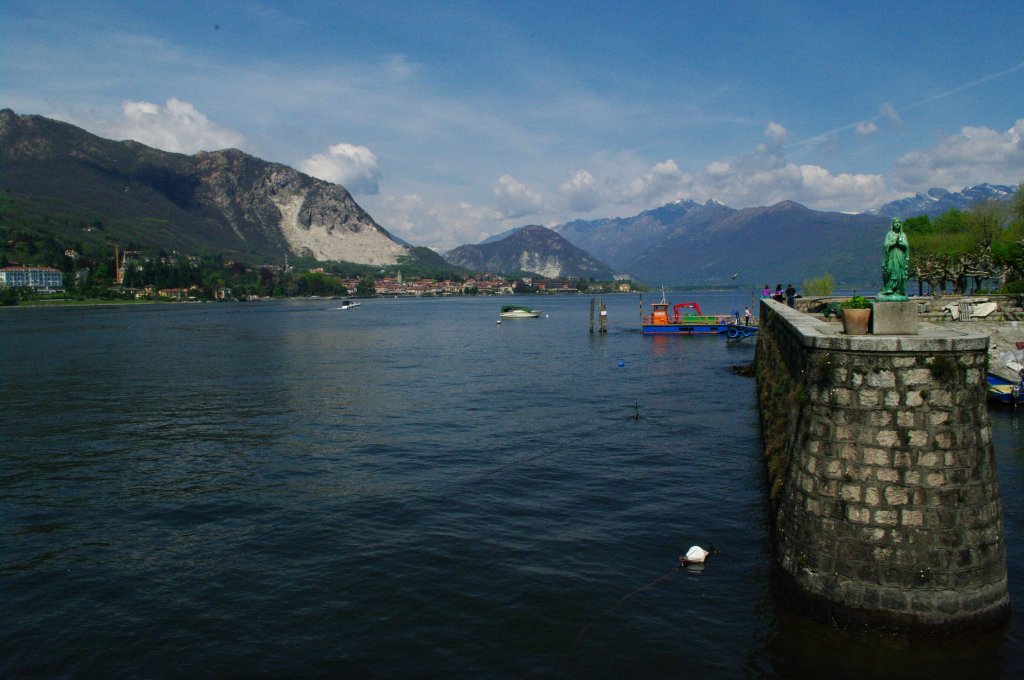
883	494
894	318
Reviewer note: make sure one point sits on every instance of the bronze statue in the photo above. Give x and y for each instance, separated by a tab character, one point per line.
895	258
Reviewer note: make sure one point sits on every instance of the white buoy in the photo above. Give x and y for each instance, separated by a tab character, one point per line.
695	555
499	322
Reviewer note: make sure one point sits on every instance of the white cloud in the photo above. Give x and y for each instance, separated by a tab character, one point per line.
177	127
622	186
664	182
354	167
976	154
440	224
776	133
766	176
762	177
718	168
866	128
398	68
404	214
890	114
822	187
581	191
808	184
513	199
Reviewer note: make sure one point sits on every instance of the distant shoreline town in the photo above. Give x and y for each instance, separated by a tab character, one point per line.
28	283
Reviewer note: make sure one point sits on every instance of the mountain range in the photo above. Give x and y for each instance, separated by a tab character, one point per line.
224	202
231	203
532	249
689	243
936	201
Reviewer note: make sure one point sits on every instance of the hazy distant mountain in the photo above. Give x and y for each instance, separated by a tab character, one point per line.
620	241
783	243
224	202
533	249
687	243
498	237
937	201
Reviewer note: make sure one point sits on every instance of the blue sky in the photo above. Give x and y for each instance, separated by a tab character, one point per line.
453	121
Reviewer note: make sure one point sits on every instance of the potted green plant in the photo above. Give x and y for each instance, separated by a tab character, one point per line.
856	315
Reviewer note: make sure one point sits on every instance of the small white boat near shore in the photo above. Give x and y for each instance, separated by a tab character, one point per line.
518	312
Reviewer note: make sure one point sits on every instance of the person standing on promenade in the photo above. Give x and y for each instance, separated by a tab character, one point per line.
790	295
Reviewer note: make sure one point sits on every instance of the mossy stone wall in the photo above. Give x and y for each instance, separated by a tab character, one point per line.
883	494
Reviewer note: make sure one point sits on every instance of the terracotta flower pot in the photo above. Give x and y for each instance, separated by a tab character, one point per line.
855	321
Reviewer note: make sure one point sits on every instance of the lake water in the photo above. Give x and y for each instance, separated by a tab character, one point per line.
407	488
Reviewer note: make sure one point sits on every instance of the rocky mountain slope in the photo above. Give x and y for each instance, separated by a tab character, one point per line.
222	201
533	249
231	203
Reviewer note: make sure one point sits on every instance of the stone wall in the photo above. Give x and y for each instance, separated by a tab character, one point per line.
882	482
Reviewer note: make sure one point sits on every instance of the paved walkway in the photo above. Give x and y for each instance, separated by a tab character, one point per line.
1002	328
1003	339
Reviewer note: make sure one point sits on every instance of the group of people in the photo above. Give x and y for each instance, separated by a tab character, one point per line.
789	295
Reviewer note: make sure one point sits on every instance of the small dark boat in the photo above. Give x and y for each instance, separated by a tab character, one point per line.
1005	391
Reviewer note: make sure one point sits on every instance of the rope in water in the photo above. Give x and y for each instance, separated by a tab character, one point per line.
661	579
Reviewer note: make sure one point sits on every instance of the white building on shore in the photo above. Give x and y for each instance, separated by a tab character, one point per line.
40	279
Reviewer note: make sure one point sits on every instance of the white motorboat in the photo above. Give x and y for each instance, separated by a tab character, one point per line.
516	312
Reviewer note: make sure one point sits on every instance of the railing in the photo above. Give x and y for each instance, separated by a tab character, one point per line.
691	320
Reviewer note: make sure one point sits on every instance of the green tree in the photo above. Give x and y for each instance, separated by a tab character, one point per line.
820	286
286	286
1009	249
8	296
953	221
366	287
985	222
1016	216
922	224
961	246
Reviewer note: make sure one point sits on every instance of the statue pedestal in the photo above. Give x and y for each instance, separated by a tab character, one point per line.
894	318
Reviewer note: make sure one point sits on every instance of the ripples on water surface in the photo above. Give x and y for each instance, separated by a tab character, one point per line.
406	488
